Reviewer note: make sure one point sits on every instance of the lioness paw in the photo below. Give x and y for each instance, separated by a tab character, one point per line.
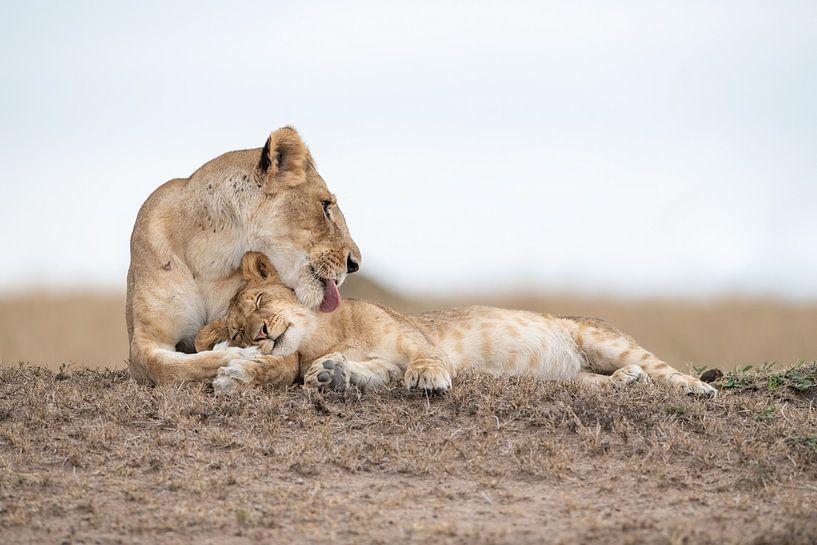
629	374
692	386
232	377
248	352
432	378
236	352
328	372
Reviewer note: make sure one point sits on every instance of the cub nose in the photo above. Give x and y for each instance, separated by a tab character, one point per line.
351	265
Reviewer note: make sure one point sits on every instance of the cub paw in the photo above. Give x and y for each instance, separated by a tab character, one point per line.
431	377
692	386
232	377
328	372
629	374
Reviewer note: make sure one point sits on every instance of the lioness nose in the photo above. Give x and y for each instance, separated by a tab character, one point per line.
351	265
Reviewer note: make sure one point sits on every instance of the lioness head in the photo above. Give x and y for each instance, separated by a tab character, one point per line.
264	312
299	225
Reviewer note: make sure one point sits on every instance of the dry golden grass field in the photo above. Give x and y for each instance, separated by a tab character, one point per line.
89	456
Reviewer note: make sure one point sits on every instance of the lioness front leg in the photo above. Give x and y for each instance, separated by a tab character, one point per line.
279	372
152	362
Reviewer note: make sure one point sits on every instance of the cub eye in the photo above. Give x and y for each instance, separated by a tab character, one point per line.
326	205
258	301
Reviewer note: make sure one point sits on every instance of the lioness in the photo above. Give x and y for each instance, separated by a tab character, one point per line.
189	238
369	345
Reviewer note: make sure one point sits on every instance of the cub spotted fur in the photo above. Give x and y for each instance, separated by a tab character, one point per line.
369	345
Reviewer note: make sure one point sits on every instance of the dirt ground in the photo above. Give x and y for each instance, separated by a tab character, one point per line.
92	457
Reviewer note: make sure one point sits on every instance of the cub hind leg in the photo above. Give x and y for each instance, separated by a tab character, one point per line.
608	350
629	374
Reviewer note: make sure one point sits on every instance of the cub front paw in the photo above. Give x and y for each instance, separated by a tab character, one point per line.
232	377
431	377
328	372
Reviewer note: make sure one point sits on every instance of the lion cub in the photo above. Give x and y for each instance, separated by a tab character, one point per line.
370	345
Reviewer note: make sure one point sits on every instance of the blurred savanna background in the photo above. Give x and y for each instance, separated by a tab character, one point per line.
653	164
87	328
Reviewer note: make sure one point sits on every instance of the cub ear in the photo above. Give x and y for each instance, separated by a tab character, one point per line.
283	159
256	268
210	335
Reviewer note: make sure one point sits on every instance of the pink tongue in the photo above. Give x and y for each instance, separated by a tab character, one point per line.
331	296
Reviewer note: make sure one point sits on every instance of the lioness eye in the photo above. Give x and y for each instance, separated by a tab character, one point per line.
326	205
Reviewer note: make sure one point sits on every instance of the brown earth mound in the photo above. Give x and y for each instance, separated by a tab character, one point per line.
92	457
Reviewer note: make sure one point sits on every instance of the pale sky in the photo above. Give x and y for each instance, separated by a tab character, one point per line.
629	148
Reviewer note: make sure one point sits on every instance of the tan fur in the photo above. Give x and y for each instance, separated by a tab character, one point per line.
367	344
614	350
191	234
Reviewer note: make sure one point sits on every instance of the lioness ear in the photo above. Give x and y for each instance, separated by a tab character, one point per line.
210	335
256	268
283	159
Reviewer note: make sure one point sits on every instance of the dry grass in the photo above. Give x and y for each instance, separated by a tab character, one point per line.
89	329
91	457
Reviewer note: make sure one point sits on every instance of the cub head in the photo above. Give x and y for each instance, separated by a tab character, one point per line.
299	224
264	312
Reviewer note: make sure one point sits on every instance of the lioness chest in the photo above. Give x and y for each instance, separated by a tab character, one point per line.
200	302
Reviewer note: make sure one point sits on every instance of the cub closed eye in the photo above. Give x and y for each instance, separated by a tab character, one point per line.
258	301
